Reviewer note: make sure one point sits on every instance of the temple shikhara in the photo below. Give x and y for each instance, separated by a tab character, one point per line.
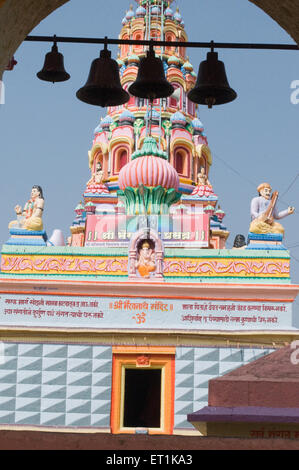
119	325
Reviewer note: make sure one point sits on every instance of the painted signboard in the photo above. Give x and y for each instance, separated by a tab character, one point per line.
142	313
179	230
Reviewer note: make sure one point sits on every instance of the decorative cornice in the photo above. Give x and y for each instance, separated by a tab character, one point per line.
263	339
176	76
129	74
177	141
146	289
99	146
204	150
221	233
75	229
121	140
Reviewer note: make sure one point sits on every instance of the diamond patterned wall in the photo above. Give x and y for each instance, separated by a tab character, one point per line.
195	367
56	385
70	385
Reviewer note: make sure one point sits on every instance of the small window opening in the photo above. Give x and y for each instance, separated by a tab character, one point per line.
142	401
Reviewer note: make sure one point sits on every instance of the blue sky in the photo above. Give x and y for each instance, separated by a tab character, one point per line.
45	132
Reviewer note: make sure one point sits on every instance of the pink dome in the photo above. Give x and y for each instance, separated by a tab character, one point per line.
149	171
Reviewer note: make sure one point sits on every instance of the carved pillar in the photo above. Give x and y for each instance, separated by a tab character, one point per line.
132	264
106	165
159	261
196	169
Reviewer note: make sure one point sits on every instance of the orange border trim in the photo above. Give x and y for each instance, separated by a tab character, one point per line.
160	357
249	299
143	349
200	291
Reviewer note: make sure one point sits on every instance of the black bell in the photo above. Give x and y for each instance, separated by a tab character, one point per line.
53	69
103	87
151	82
212	86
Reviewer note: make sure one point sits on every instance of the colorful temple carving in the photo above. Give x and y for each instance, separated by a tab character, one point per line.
122	327
129	139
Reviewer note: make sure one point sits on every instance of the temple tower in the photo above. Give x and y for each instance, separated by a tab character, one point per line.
172	122
122	330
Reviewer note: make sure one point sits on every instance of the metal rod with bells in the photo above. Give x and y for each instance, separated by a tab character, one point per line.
103	87
148	42
53	69
151	82
212	87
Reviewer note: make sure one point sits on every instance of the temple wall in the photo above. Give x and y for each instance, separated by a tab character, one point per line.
55	385
69	385
73	320
195	367
184	263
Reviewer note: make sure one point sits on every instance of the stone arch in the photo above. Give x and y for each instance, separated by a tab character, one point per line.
99	152
120	157
16	23
181	161
285	13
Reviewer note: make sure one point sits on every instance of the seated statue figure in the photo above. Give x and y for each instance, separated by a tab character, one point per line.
97	175
146	262
264	212
202	178
203	186
30	218
96	183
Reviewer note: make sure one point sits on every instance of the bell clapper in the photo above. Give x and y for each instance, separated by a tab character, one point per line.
210	101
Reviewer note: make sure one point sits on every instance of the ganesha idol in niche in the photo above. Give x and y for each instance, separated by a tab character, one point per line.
146	262
30	218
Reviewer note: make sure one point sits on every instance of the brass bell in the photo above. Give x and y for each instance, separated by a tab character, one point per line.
53	69
212	86
151	82
103	87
